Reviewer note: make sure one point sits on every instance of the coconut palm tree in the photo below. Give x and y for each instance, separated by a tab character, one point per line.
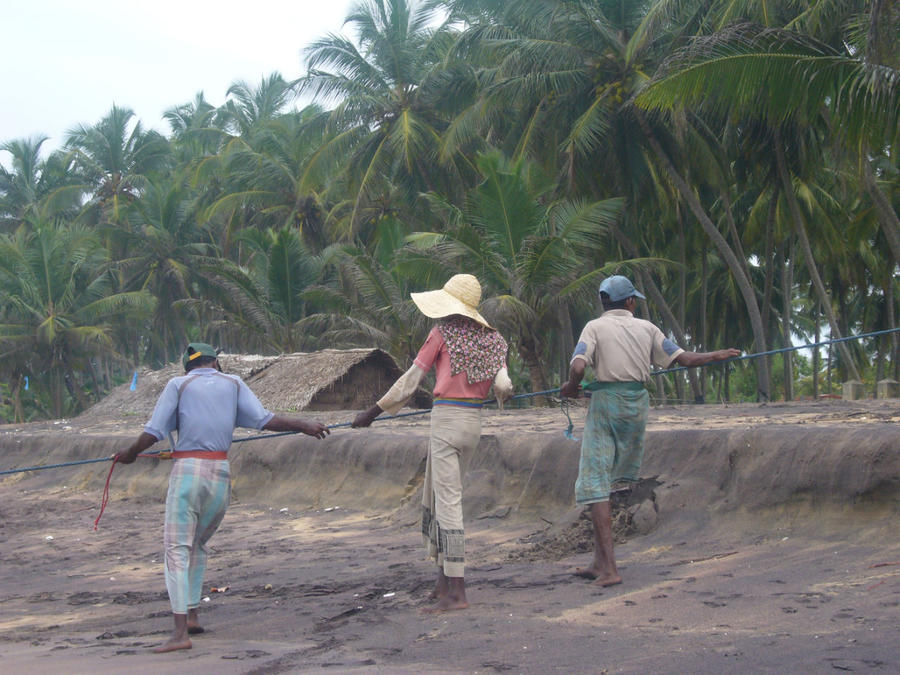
261	172
114	156
534	255
564	75
167	252
248	106
264	299
60	308
387	118
197	131
365	301
36	189
763	69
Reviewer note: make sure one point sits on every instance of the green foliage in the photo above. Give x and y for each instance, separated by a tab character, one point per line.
737	159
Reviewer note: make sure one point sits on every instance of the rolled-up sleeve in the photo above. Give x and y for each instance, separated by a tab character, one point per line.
664	351
402	390
584	350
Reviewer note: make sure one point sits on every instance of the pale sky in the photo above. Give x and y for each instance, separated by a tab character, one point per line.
65	62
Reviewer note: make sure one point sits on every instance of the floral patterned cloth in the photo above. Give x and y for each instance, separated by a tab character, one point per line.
473	348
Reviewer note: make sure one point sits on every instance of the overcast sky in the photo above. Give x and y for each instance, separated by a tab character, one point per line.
66	62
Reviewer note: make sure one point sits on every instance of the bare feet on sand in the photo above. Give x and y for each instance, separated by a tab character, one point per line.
585	573
608	581
450	593
193	623
173	645
446	604
599	578
179	638
441	588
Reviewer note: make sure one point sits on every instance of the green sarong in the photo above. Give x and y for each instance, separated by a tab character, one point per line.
613	444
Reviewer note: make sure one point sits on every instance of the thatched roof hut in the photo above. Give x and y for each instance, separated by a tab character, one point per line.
331	379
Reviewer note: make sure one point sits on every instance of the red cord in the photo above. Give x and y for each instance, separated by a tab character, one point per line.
105	500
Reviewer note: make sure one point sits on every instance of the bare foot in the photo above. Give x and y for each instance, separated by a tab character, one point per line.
193	623
446	604
440	590
173	645
586	572
610	580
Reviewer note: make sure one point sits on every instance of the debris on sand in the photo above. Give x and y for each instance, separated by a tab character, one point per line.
634	511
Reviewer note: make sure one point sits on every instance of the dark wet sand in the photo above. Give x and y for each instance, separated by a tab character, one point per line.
799	585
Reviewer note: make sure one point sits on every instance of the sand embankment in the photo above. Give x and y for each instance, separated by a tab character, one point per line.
715	460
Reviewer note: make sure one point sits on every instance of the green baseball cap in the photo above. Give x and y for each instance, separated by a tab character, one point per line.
197	349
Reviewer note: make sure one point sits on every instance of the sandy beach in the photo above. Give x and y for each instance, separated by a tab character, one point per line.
768	543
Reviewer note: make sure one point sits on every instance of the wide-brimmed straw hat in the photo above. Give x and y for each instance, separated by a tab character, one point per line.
460	295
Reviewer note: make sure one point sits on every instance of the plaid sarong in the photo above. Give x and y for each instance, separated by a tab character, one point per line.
613	444
199	493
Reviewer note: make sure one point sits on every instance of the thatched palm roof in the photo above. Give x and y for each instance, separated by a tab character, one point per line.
283	383
291	382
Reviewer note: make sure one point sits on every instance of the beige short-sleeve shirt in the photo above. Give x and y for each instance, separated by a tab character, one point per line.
621	348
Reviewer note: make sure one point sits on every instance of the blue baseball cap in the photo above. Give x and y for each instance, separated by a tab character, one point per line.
619	288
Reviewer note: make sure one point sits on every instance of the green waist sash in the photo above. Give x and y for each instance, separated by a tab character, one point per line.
620	386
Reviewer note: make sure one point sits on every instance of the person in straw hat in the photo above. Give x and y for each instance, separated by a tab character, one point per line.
468	357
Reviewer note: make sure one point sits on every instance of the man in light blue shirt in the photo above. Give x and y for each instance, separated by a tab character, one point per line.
204	406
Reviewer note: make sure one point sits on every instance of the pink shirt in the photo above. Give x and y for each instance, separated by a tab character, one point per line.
434	353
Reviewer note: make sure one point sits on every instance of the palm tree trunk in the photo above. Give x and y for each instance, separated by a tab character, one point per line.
531	358
809	258
787	285
769	284
98	394
568	339
895	337
704	291
887	217
657	297
18	411
75	390
728	255
815	357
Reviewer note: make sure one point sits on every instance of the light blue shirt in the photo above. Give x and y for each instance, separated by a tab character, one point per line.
205	406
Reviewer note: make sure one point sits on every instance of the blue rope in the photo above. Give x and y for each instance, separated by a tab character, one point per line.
489	402
56	466
780	351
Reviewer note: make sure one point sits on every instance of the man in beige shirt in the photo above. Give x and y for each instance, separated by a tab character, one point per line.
620	348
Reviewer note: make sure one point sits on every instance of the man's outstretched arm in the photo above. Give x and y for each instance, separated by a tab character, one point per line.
691	359
308	427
